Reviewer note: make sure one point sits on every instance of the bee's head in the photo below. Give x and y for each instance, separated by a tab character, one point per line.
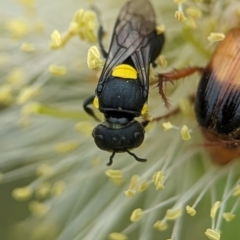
119	139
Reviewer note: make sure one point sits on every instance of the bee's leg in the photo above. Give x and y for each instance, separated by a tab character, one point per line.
174	76
89	110
101	31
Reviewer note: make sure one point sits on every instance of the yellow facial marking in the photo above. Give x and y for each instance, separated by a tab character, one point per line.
144	109
124	71
96	103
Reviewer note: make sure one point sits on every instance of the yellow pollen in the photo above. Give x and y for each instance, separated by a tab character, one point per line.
84	127
179	15
6	96
38	208
191	211
115	175
66	147
160	225
167	126
16	77
161	60
44	170
158	178
185	133
23	193
58	188
212	235
57	70
43	190
117	236
130	193
93	58
214	209
228	216
137	215
142	187
27	94
194	12
56	40
27	47
124	71
18	28
160	29
236	192
173	214
216	37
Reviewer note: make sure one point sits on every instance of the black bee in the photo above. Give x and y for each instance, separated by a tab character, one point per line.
122	91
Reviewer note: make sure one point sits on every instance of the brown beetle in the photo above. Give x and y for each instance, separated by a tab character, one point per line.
217	101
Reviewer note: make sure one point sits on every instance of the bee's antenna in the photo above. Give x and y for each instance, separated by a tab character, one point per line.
111	159
137	158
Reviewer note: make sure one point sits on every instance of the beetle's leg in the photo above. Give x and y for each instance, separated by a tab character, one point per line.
174	76
89	110
100	31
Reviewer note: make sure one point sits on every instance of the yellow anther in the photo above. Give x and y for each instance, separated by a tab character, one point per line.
190	22
44	170
6	96
57	70
78	16
212	235
30	108
56	40
58	188
191	211
66	147
133	182
94	58
18	28
228	216
117	236
215	37
185	133
27	94
23	193
38	208
124	71
144	110
136	215
27	47
160	225
167	126
85	128
214	209
43	190
115	175
236	192
161	60
158	178
96	102
16	77
130	193
160	29
179	15
173	214
194	12
143	187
